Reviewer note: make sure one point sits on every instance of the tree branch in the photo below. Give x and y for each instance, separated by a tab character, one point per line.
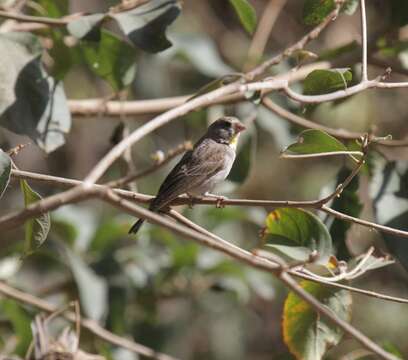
338	133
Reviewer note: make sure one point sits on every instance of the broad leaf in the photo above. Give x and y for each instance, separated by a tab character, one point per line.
145	26
87	27
245	156
399	12
5	170
297	233
202	52
246	14
326	81
20	321
314	11
32	103
112	59
390	197
350	7
314	142
349	203
93	289
307	334
36	229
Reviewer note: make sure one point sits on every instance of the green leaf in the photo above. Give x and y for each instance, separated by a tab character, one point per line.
5	171
314	142
335	53
112	59
21	324
52	8
36	229
246	14
31	103
145	26
202	52
326	81
350	7
245	156
87	27
399	12
297	233
93	289
349	203
315	11
389	192
307	334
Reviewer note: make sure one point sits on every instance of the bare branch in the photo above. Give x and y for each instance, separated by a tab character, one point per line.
364	73
338	133
90	107
263	30
259	70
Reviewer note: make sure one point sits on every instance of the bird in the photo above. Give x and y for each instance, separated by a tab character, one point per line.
200	169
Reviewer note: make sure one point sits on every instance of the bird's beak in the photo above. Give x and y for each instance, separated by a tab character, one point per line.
239	127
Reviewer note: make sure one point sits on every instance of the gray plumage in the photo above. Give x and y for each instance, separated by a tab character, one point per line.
202	168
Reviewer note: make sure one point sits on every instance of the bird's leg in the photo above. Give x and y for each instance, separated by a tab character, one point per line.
220	199
191	199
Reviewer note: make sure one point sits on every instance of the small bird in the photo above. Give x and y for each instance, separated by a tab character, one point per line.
202	168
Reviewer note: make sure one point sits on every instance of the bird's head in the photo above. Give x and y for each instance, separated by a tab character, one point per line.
226	130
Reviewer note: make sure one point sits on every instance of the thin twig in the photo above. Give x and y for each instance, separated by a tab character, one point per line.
364	73
18	217
338	133
263	30
299	45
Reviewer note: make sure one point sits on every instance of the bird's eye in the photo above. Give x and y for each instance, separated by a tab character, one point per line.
227	124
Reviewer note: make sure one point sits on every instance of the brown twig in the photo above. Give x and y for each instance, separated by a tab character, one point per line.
299	45
269	16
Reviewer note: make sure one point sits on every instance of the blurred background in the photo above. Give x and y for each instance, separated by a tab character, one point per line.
170	293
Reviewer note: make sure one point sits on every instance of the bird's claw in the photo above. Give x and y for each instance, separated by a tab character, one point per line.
220	200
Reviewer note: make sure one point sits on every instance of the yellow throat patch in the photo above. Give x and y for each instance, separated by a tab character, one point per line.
234	141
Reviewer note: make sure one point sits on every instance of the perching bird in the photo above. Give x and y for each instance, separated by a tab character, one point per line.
202	168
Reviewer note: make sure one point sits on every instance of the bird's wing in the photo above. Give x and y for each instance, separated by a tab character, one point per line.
194	168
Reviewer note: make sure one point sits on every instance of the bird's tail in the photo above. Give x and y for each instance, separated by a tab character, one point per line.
136	226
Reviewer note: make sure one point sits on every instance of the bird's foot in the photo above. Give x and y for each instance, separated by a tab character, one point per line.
191	200
220	200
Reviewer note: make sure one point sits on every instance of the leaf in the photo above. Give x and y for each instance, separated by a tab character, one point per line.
326	81
314	142
36	229
246	14
297	233
348	203
388	189
399	12
87	27
305	332
20	322
245	156
54	9
112	59
350	7
146	25
335	53
202	52
31	103
93	289
315	11
5	171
